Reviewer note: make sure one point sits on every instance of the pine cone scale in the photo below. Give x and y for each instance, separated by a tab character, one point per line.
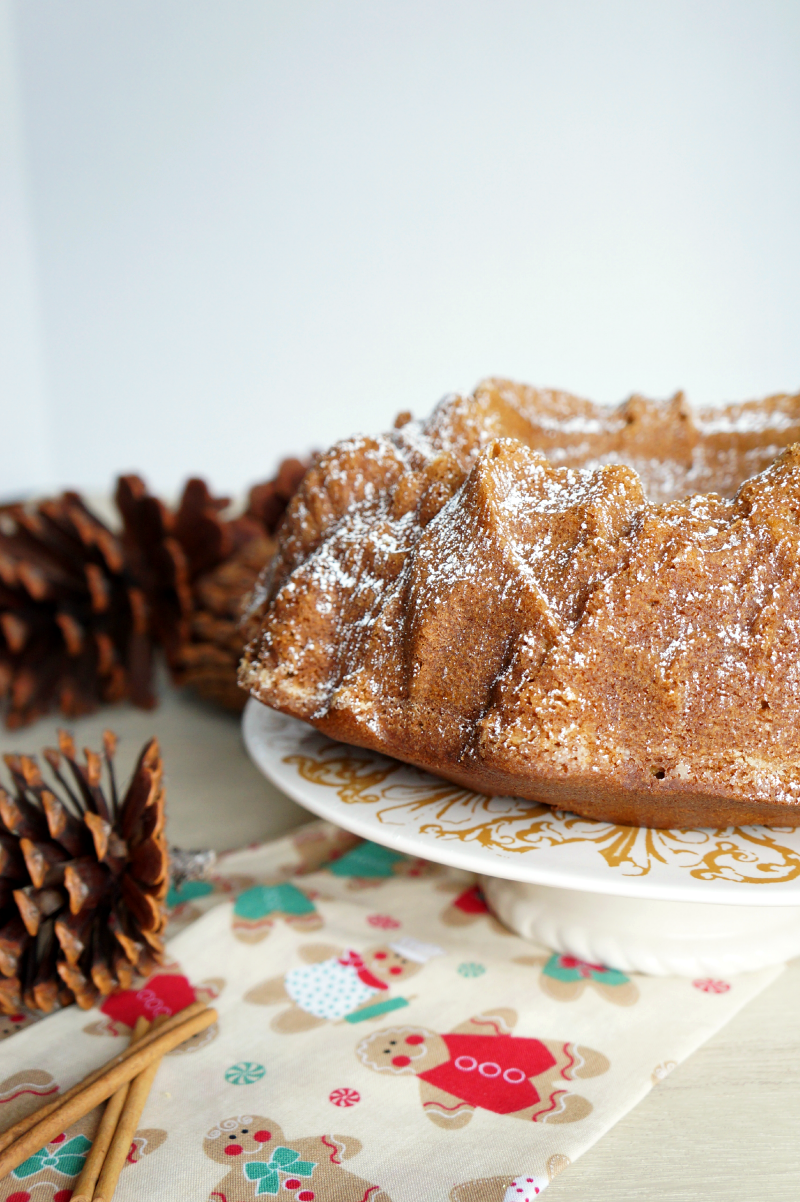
7	897
102	978
86	779
142	793
16	631
45	994
14	938
35	905
81	987
132	948
12	862
20	817
147	862
69	930
64	828
142	906
100	830
44	862
10	994
86	883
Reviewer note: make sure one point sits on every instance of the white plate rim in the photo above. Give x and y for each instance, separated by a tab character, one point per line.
264	729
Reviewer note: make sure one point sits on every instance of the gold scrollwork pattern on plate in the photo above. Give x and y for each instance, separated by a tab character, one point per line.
750	855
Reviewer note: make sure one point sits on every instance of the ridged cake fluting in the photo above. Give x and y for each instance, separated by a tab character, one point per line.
535	624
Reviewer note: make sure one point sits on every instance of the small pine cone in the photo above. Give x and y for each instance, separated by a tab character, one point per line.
74	630
83	877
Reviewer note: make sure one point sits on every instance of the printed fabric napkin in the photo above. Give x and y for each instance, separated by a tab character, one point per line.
381	1038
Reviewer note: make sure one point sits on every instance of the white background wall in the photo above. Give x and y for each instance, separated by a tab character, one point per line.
237	228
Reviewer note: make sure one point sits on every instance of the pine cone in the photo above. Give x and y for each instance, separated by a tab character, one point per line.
82	610
83	877
73	621
192	564
209	657
267	502
157	561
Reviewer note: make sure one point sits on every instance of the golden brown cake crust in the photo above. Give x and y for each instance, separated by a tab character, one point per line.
611	629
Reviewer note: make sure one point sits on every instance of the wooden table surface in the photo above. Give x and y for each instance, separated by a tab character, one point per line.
724	1125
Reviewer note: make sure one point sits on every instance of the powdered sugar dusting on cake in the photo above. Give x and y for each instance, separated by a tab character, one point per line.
534	625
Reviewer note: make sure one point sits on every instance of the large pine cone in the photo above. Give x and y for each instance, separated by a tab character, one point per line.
82	610
73	617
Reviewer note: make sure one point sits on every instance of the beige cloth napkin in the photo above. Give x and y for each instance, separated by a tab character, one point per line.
381	1038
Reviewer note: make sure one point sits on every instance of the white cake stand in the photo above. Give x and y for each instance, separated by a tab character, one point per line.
683	902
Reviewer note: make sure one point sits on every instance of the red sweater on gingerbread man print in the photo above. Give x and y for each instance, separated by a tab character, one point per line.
491	1071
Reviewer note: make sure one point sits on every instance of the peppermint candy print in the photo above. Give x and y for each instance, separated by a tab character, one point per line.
471	969
708	985
344	1097
245	1073
384	922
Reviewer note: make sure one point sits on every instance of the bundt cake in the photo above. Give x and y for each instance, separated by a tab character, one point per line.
529	594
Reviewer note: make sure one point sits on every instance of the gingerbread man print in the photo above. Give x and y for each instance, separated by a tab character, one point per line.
523	1188
565	977
317	844
481	1065
468	908
50	1173
256	911
262	1162
342	984
188	901
166	993
11	1023
370	864
24	1092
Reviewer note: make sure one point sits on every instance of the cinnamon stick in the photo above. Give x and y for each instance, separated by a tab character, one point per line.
83	1190
89	1096
19	1128
114	1163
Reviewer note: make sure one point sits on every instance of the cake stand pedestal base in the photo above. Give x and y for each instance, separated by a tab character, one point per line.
662	938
